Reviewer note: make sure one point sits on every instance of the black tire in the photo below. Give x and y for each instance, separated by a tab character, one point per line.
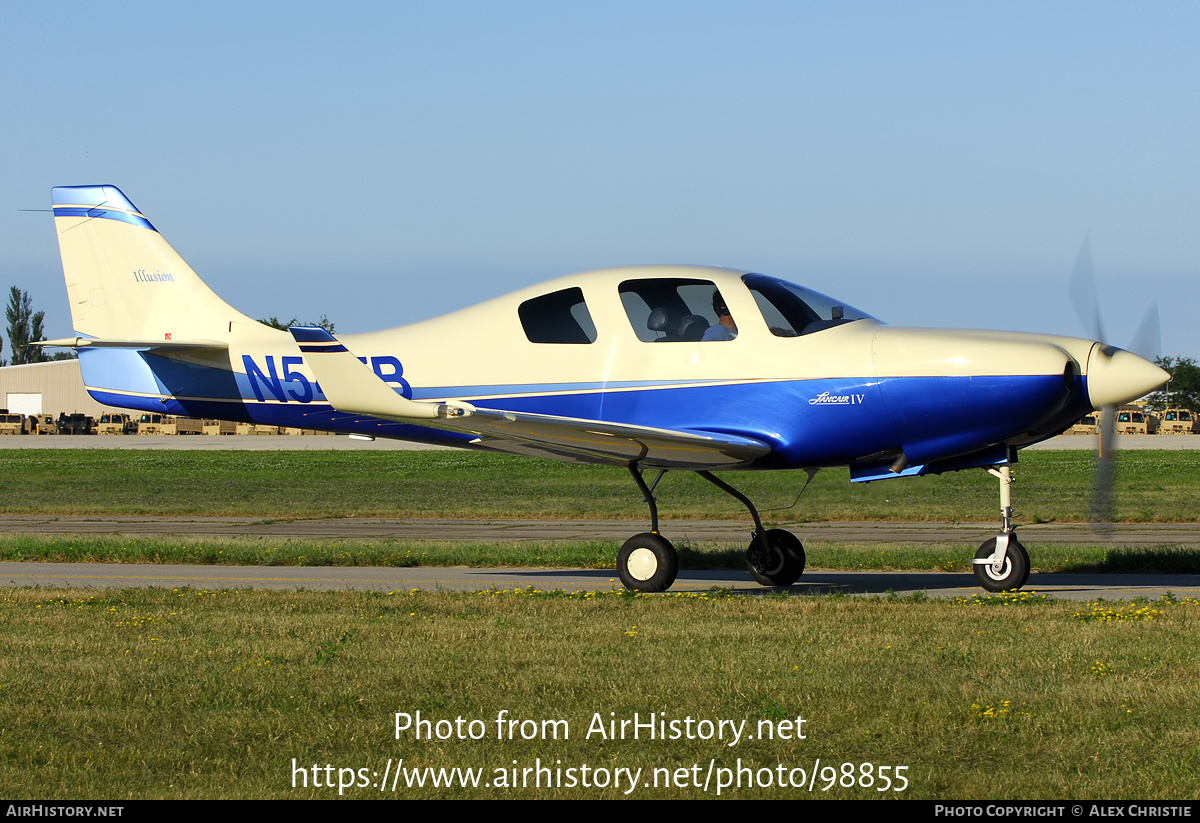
1012	576
647	563
1014	543
784	560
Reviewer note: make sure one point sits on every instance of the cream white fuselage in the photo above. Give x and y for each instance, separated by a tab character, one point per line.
838	391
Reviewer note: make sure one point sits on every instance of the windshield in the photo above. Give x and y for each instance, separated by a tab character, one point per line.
791	310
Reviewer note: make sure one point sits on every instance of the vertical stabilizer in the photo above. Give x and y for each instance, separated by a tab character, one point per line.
124	281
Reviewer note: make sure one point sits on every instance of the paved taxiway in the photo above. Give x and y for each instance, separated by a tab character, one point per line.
1083	587
935	584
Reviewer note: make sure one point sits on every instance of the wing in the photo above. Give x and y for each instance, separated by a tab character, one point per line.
351	386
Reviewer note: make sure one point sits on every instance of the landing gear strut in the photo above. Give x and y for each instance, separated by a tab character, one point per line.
775	557
1001	564
649	563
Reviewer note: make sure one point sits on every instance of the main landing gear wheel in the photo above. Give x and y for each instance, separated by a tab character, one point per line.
1015	571
647	563
781	564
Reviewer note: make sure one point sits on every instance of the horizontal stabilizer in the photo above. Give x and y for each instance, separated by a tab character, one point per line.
164	345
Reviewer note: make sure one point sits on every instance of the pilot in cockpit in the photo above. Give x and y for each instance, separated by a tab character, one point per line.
724	328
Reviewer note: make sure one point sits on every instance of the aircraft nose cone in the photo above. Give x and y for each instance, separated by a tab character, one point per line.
1119	377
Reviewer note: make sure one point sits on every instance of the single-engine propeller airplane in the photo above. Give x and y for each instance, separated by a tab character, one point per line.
650	367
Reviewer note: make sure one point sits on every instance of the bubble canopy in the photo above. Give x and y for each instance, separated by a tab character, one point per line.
792	311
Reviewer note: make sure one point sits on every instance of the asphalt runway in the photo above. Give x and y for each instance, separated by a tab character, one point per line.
617	531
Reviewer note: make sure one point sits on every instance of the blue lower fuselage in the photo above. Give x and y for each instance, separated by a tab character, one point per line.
807	423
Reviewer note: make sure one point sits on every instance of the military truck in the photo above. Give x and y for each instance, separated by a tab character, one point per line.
1132	420
1086	425
43	424
75	423
251	429
1177	421
155	424
12	423
188	425
116	423
219	427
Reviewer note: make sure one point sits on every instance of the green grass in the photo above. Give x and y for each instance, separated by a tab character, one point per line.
251	551
215	694
197	694
1051	486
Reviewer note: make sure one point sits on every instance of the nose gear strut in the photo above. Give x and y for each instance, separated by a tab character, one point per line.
1001	563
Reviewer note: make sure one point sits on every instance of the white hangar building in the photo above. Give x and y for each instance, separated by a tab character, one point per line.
47	388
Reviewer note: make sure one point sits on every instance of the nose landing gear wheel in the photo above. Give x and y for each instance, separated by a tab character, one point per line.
781	564
647	563
1014	573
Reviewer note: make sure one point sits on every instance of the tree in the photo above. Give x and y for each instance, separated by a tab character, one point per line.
283	325
1183	390
24	327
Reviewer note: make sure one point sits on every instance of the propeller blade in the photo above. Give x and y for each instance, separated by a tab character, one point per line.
1082	289
1147	340
1146	344
1102	510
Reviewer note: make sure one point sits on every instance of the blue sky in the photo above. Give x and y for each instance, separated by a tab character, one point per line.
931	163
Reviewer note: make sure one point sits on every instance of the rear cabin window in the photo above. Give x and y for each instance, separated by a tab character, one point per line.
558	317
676	309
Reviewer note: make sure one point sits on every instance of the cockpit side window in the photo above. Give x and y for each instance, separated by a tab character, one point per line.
558	317
677	310
790	310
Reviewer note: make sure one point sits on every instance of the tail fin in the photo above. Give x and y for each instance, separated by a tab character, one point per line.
124	281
